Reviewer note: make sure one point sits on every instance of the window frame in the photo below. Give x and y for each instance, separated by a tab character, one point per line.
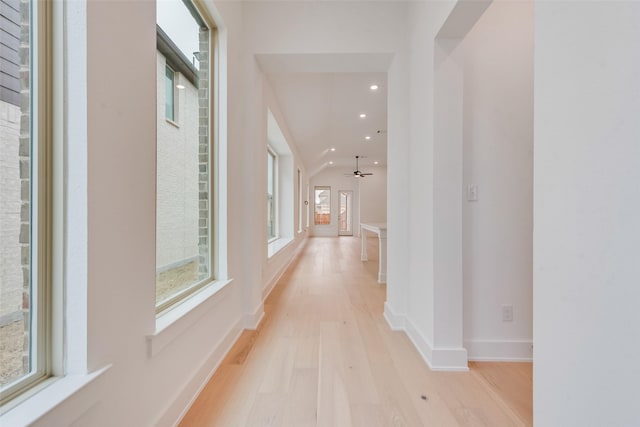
203	19
41	203
274	172
299	204
173	117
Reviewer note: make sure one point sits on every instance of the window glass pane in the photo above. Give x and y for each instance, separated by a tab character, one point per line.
271	193
18	195
322	206
183	235
345	213
299	201
168	104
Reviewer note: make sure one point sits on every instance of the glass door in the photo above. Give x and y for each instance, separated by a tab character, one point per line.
345	217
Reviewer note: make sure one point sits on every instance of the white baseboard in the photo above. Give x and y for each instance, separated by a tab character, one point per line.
449	359
438	359
186	397
394	320
252	320
499	351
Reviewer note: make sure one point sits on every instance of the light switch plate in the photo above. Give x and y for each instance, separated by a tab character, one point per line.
507	313
472	193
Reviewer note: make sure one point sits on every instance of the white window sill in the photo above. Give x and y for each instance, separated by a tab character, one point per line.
47	396
277	245
172	123
176	320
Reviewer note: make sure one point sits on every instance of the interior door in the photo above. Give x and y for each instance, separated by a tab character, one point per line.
345	216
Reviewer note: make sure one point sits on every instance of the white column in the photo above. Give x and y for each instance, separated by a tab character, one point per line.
382	259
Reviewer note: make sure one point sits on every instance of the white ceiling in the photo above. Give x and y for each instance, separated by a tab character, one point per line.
322	110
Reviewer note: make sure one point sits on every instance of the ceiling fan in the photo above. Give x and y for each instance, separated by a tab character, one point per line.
358	173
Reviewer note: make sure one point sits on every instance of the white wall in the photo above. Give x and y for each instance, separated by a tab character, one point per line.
498	158
369	195
373	195
273	266
430	306
335	27
151	374
587	226
336	179
410	290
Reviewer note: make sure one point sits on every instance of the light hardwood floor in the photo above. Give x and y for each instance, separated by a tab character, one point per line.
324	356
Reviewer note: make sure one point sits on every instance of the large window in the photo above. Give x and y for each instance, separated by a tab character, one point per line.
299	204
280	212
272	202
184	153
169	91
322	201
25	195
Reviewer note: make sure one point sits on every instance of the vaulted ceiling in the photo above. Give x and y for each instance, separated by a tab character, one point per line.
322	111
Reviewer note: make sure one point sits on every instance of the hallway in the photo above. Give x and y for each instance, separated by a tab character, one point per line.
324	355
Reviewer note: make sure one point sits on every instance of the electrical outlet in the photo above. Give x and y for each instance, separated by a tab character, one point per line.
507	313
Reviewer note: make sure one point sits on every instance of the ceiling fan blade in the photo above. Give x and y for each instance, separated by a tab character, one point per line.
365	173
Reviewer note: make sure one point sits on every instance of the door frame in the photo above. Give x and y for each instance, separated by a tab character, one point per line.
349	211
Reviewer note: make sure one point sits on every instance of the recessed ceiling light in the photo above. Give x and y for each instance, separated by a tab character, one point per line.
330	163
375	163
180	86
374	87
363	115
332	149
367	137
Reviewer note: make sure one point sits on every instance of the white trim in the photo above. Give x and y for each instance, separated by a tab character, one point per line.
44	399
395	321
300	203
185	398
266	291
438	359
449	359
500	350
420	342
275	176
277	244
252	320
176	320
